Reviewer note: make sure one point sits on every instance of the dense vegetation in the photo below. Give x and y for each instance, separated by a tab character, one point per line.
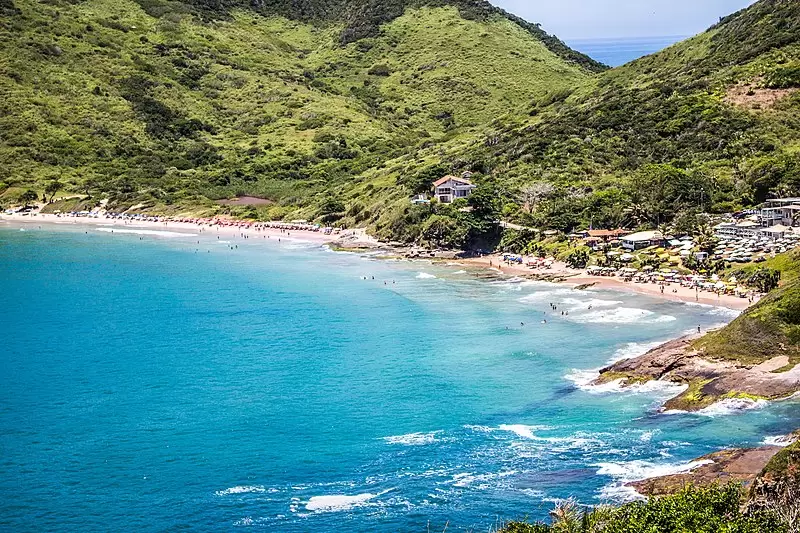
703	510
708	125
162	106
340	110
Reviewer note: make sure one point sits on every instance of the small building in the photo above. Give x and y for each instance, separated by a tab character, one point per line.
643	239
745	228
781	211
450	188
606	235
420	199
778	231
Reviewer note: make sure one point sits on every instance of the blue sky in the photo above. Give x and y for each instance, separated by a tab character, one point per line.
591	19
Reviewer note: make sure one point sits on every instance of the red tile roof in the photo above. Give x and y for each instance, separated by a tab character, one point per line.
445	179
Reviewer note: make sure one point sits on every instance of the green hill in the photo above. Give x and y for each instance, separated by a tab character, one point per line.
340	110
718	114
169	105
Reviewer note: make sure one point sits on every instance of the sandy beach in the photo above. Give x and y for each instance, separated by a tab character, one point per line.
356	238
227	228
561	273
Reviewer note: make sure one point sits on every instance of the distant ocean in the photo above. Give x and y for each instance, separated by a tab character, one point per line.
616	52
174	384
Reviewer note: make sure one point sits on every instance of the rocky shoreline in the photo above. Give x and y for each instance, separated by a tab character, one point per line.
709	381
740	465
765	472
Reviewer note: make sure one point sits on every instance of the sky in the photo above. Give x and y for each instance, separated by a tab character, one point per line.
595	19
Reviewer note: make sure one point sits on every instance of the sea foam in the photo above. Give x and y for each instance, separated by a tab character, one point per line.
153	232
425	275
626	472
242	489
340	502
731	406
413	439
621	315
778	440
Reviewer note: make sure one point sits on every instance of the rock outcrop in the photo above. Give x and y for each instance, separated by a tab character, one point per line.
708	381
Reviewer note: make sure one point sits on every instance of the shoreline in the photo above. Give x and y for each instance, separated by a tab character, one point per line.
358	240
352	238
562	274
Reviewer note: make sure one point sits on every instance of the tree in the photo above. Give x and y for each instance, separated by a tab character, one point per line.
578	258
52	188
28	196
444	231
706	240
485	204
530	195
764	279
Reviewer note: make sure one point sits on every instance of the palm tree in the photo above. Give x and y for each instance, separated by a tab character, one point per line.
706	239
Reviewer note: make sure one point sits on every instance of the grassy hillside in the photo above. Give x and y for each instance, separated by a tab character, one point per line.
161	107
362	18
718	114
769	328
342	114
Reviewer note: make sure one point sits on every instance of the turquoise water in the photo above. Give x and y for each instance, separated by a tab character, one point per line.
616	52
148	386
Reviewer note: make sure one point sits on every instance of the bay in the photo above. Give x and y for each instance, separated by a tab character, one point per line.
162	383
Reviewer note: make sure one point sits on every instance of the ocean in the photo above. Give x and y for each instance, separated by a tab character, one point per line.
164	384
618	51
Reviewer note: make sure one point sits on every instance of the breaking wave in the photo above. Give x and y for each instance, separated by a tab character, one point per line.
157	233
413	439
340	502
730	406
621	315
241	489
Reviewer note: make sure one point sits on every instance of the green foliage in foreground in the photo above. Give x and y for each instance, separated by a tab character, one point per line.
702	510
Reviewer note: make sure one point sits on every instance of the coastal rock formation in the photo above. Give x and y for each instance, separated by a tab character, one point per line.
770	473
725	466
777	487
709	380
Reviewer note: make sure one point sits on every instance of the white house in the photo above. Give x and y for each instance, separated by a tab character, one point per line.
745	228
450	188
781	211
643	239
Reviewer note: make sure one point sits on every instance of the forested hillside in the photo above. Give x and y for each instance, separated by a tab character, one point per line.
167	105
709	124
341	110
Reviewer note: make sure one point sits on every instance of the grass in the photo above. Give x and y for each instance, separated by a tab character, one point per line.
769	328
176	109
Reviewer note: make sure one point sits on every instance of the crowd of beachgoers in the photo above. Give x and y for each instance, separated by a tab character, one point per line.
666	284
671	285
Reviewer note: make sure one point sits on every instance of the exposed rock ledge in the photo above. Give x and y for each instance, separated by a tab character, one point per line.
726	466
752	467
709	381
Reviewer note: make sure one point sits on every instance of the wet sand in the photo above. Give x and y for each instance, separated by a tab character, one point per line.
561	273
